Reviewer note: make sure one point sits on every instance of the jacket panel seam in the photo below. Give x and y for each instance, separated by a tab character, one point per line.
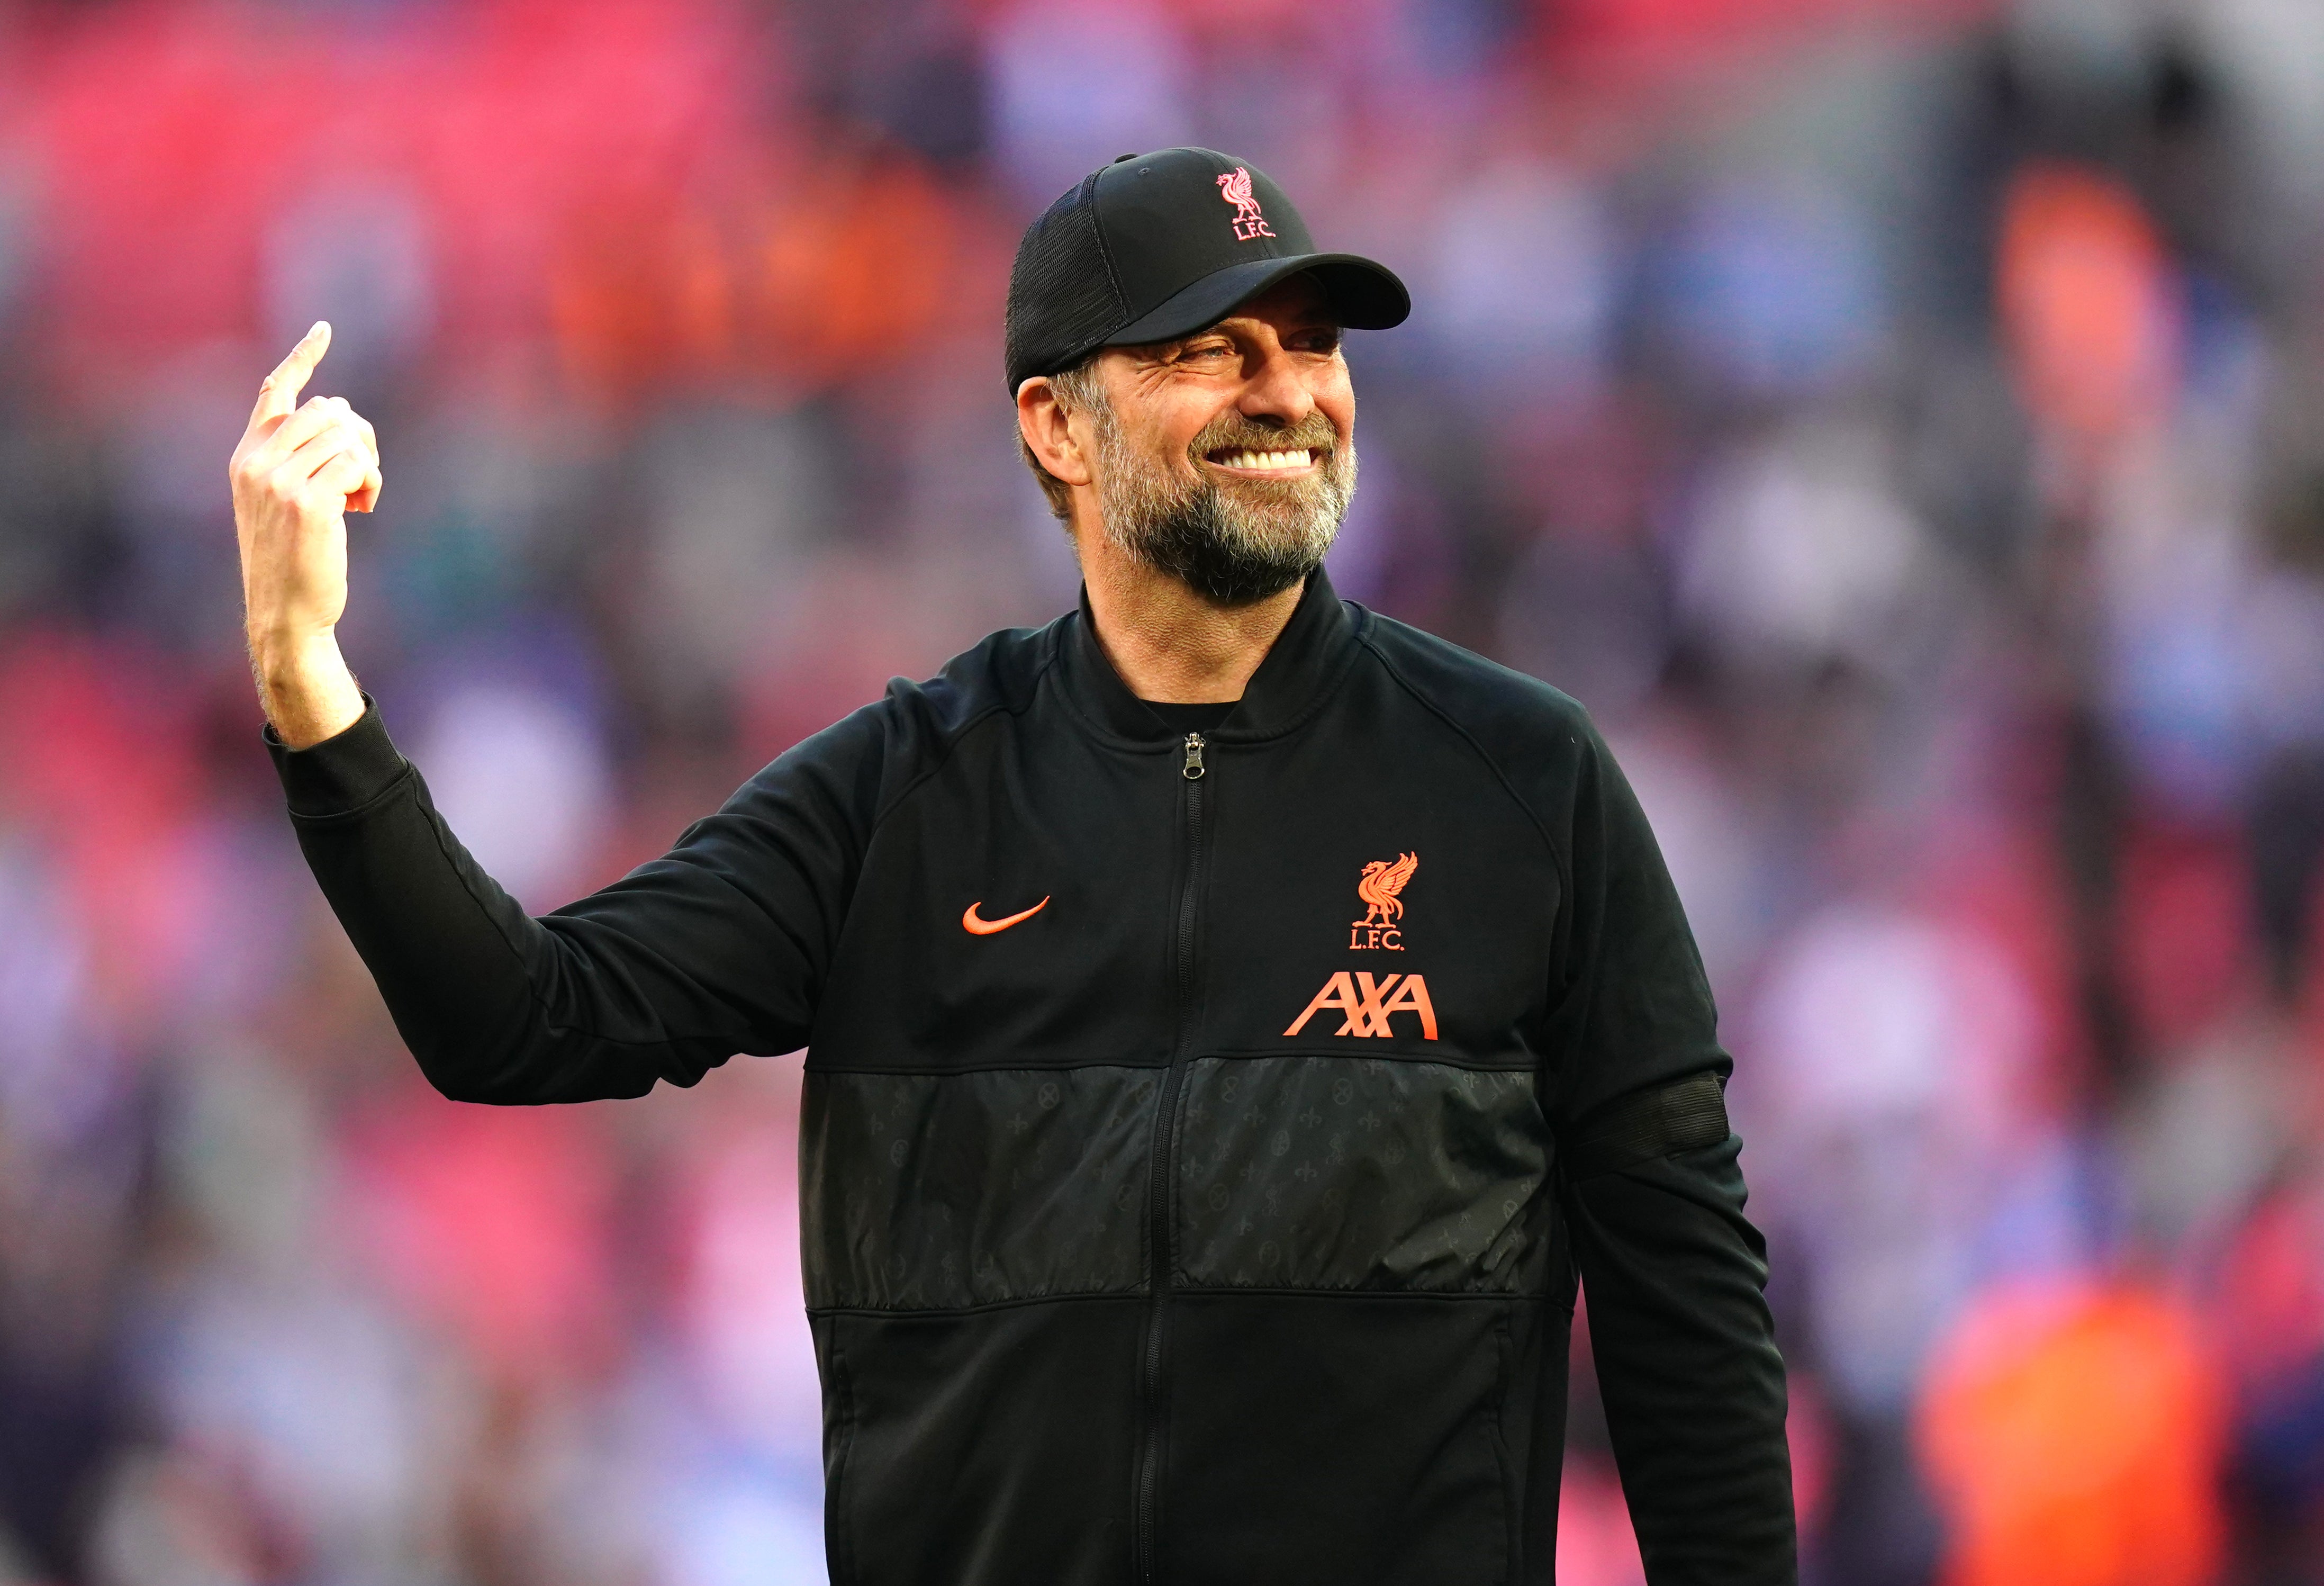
1186	1285
1062	1066
1467	1297
919	1312
1492	762
1528	1067
938	760
1126	1297
1529	1064
951	744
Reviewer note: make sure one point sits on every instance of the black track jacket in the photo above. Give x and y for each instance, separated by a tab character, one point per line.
1217	1221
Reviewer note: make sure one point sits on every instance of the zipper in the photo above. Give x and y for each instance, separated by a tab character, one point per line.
1158	1243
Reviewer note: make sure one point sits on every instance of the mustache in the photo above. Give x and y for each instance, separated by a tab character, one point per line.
1233	432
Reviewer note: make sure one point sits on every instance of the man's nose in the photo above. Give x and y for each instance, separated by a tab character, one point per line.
1275	389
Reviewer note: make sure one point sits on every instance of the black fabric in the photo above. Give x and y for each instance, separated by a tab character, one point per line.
1040	972
1686	1116
1182	719
1155	247
1354	292
932	1477
1372	1439
357	766
1356	1173
1004	1184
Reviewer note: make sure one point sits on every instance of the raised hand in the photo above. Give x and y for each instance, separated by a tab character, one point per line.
296	472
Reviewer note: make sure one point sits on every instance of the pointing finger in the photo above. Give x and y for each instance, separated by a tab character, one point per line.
278	393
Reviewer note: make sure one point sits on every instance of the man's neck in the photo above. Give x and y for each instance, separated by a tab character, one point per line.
1168	643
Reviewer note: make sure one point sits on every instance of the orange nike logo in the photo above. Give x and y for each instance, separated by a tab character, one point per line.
980	927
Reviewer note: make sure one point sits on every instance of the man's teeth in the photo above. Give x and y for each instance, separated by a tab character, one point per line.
1291	459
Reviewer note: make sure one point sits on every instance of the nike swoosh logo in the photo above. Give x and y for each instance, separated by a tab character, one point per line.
979	926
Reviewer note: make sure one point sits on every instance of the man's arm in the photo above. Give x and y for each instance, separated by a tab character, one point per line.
1673	1272
296	472
717	948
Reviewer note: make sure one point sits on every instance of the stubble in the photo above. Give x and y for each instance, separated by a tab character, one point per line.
1232	540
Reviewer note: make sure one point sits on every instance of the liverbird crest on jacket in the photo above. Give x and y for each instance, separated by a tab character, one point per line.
1382	887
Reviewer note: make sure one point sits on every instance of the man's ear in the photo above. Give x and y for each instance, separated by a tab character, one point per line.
1048	432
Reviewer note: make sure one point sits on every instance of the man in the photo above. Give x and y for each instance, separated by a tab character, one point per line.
1231	1017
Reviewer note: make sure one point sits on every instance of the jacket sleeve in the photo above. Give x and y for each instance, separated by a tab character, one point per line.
717	948
1673	1272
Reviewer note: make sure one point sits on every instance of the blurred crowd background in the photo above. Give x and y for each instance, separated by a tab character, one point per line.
1896	420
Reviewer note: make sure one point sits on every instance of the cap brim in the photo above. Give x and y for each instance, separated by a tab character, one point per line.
1363	296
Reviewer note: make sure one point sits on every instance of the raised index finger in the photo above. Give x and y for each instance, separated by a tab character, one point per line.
278	394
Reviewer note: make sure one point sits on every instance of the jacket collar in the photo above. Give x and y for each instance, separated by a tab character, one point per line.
1306	658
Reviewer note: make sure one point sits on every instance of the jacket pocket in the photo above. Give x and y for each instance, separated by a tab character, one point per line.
990	1447
1347	1439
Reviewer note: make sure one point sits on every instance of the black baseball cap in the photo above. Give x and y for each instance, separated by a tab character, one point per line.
1156	246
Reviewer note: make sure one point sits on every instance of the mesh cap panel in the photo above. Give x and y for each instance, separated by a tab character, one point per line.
1063	298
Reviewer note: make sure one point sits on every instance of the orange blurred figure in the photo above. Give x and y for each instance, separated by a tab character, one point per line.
2089	304
2072	1434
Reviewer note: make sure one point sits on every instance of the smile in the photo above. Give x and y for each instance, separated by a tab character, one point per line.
1297	460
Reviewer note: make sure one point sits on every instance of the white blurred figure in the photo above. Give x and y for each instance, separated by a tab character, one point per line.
1891	1054
522	775
1523	267
731	1530
744	1503
309	1400
1073	86
2274	51
1802	553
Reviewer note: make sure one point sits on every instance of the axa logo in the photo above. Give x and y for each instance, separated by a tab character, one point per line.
1249	225
1381	888
1366	1004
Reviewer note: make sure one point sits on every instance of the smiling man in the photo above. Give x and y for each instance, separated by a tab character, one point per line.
1234	1020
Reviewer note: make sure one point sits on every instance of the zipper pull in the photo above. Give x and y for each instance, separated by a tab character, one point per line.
1193	769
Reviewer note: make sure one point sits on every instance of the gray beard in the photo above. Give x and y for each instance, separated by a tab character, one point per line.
1231	544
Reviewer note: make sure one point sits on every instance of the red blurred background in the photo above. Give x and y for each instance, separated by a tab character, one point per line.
1895	419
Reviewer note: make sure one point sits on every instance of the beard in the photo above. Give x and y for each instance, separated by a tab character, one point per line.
1233	540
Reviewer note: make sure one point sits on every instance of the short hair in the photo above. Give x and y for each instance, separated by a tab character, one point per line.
1077	389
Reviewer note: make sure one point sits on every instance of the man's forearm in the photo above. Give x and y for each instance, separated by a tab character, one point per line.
1687	1366
304	686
